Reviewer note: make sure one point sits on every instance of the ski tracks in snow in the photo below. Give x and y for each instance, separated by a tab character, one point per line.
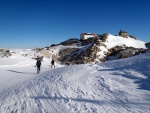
21	98
74	89
119	90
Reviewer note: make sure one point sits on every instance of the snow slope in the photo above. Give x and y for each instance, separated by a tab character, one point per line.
119	86
113	41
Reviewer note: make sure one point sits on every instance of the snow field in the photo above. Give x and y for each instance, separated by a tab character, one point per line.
119	86
107	87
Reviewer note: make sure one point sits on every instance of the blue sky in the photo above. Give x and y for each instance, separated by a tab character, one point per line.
39	23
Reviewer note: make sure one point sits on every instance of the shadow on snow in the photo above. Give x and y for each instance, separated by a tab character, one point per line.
144	83
112	102
21	72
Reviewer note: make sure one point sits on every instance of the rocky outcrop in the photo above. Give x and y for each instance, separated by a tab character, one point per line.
66	51
123	34
86	56
64	54
70	42
5	53
45	53
103	37
125	52
147	45
90	54
128	52
133	37
87	41
95	50
115	50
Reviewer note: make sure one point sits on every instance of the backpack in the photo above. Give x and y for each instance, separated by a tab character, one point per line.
52	62
38	63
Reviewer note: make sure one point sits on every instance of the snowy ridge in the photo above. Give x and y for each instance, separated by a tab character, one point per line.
110	87
55	51
113	41
102	49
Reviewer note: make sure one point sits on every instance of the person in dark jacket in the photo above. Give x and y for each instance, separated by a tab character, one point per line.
38	65
52	63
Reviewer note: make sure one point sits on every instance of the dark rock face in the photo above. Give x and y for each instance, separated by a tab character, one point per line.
86	56
103	37
95	50
52	45
148	45
67	51
5	53
125	52
133	37
114	50
87	41
64	54
123	34
70	42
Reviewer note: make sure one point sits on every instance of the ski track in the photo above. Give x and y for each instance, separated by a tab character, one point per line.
73	90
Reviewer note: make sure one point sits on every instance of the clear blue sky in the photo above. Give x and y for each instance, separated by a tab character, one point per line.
39	23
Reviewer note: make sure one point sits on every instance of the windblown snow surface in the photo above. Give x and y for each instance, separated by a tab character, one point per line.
119	86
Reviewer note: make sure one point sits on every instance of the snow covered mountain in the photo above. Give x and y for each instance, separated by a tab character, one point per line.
111	87
92	50
101	49
94	86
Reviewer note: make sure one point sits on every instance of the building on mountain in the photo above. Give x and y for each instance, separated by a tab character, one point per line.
123	33
84	36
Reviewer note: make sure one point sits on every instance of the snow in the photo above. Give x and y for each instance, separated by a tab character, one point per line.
55	49
102	52
113	41
110	87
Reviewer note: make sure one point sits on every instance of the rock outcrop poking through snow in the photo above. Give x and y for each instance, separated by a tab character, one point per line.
5	53
97	49
70	42
148	45
87	54
101	48
129	51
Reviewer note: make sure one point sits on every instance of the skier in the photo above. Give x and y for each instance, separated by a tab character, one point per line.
52	63
38	65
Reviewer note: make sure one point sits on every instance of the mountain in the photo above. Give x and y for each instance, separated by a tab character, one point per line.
97	49
99	84
100	49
